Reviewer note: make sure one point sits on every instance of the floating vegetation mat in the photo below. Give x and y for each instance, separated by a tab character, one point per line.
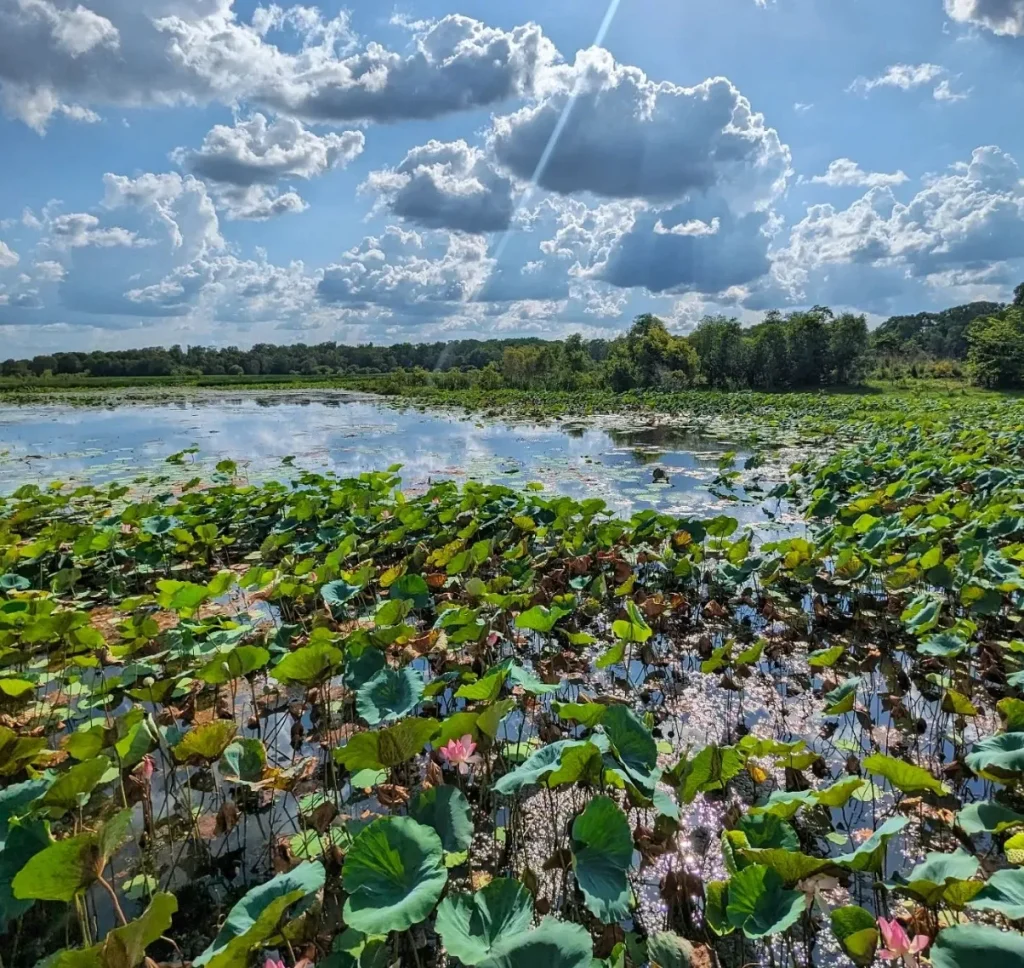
326	722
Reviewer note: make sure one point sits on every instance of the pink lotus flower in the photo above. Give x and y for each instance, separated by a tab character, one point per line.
270	963
146	768
898	943
461	753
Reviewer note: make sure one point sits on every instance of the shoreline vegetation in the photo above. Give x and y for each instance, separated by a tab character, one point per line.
816	349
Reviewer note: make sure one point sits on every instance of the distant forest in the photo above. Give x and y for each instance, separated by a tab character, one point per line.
800	350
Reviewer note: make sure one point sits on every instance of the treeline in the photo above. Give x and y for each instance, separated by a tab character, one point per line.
799	350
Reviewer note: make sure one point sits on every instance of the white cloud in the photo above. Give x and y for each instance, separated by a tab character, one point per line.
258	152
48	271
80	229
408	273
844	173
180	204
961	226
458	63
901	76
1004	17
944	92
8	257
60	56
626	136
243	162
446	185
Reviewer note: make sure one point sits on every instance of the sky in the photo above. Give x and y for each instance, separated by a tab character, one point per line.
221	172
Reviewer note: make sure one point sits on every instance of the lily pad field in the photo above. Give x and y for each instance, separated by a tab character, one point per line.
658	680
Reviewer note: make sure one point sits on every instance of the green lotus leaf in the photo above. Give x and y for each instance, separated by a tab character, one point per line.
23	840
308	666
869	855
337	594
553	764
791	865
353	949
944	645
904	776
472	924
631	742
16	688
554	944
541	619
65	867
988	816
841	699
825	658
205	743
765	830
239	662
857	933
446	810
14	583
929	880
17	752
999	758
1012	712
587	714
760	905
840	793
389	695
123	947
634	628
136	742
14	802
1003	893
602	853
710	769
412	588
72	789
244	761
716	897
667	950
386	748
977	946
394	874
485	689
257	917
362	666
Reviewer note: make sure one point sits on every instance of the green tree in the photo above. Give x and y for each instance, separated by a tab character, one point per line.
996	352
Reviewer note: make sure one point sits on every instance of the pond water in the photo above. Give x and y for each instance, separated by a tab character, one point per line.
351	433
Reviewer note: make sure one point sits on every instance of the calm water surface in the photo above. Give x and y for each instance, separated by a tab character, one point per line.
350	434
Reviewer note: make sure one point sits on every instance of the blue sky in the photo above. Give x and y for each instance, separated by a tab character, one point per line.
218	172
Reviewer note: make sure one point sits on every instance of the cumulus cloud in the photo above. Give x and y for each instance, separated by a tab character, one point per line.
697	246
904	77
244	161
963	225
258	152
626	136
8	257
61	56
844	173
1004	17
80	229
458	63
417	275
446	185
181	205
